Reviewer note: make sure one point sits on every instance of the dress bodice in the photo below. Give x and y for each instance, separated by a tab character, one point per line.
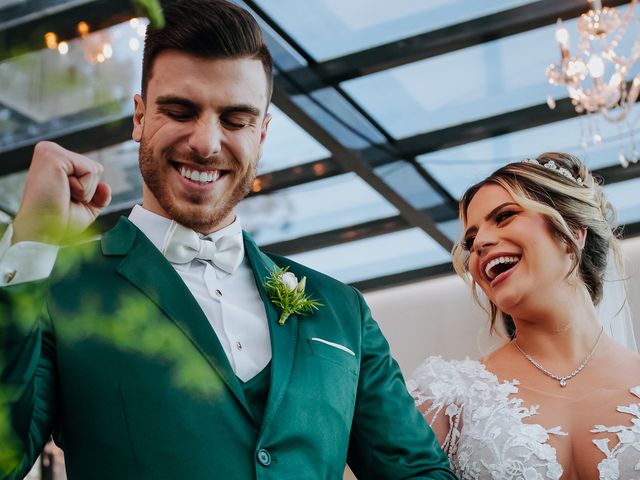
493	435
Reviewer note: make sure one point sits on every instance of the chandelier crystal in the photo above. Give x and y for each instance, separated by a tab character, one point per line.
594	75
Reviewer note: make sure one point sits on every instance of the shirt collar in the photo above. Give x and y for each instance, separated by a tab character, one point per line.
155	227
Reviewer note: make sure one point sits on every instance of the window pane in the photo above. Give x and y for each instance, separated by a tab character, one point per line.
313	207
46	92
460	167
624	197
331	28
287	144
376	256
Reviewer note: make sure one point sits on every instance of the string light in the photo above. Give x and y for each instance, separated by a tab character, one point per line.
83	28
107	51
51	40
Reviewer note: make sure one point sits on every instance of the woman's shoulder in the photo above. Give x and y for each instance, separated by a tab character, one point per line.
450	381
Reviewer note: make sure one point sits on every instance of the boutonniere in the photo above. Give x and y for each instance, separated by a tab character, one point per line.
287	293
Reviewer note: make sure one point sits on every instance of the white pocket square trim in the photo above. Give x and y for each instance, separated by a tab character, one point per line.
335	345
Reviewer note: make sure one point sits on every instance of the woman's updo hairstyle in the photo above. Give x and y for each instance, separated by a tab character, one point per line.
570	203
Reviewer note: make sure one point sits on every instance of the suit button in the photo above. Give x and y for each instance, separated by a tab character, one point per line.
264	457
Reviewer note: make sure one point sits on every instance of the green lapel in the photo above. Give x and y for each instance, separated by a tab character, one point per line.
283	337
145	267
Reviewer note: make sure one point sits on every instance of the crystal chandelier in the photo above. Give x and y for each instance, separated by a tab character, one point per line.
594	75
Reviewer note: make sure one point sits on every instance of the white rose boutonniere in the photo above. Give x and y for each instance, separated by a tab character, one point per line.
287	293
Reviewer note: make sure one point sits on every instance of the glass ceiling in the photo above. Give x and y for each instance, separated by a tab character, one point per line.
624	197
461	86
89	80
313	207
47	93
393	253
332	28
459	167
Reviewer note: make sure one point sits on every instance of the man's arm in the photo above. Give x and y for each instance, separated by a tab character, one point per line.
28	397
25	261
389	438
62	196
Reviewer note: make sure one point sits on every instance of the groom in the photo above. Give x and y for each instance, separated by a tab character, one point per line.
156	352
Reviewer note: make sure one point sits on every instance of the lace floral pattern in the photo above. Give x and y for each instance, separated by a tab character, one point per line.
487	438
623	460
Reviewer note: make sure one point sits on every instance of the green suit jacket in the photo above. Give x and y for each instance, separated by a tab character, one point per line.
114	356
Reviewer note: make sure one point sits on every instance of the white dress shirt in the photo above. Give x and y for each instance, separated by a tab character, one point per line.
231	303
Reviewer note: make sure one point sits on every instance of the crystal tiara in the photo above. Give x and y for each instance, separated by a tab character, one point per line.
551	165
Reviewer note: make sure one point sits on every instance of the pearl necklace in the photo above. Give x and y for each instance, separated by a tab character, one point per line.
563	379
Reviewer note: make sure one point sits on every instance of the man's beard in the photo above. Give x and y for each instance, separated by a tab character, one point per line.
190	212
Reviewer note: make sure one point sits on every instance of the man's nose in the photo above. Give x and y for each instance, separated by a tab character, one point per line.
206	137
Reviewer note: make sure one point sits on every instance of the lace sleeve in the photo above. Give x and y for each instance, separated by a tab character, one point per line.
439	389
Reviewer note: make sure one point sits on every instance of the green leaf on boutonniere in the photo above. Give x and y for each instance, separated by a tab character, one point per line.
287	293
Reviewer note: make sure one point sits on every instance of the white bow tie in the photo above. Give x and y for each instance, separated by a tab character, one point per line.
182	245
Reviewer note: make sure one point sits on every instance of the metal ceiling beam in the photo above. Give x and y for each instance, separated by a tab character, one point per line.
481	129
351	161
338	236
404	278
617	173
82	138
439	42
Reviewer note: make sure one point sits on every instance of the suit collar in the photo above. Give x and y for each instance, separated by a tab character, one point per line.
145	267
283	337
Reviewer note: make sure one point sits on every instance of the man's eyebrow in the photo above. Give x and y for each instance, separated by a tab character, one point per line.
175	100
228	109
488	216
241	108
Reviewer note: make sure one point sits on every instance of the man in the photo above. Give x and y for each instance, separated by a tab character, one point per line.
158	353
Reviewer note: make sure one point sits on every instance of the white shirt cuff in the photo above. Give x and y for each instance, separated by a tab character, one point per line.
24	261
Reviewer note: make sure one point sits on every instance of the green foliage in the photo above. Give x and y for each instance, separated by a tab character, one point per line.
150	9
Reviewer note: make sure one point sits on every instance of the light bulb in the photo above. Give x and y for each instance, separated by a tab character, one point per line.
615	80
596	66
562	37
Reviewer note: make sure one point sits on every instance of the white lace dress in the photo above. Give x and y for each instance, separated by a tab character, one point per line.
488	437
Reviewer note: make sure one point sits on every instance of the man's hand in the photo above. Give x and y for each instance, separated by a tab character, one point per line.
63	195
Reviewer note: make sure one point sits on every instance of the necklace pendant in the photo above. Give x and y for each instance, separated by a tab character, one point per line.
563	382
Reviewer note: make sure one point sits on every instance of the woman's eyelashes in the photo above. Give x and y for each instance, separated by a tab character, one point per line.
504	215
500	218
467	243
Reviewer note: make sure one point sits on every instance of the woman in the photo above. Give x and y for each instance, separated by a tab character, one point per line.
560	398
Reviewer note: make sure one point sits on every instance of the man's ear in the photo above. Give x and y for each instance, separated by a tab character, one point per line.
138	118
263	130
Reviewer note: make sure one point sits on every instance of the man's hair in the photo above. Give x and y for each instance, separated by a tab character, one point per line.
207	29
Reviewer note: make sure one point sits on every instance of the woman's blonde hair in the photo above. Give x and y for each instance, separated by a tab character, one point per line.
568	206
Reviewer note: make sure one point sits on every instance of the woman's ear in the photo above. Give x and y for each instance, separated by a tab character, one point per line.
580	236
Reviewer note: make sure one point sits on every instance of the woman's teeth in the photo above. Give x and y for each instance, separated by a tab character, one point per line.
489	268
200	177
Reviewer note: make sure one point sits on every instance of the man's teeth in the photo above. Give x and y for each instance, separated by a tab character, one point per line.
488	268
201	177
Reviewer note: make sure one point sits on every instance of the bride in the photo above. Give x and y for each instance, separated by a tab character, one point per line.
560	399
